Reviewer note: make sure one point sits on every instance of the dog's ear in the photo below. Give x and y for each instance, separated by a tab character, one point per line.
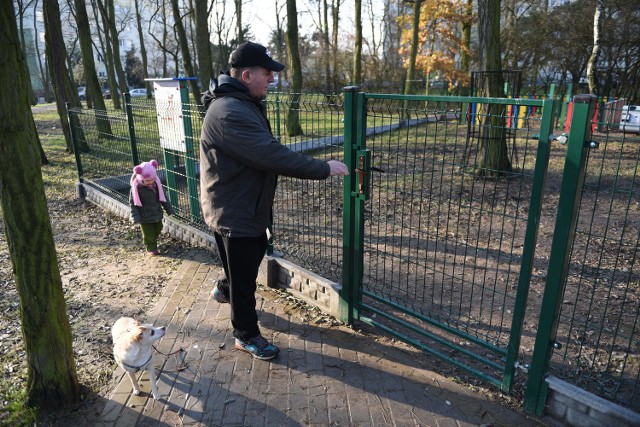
138	333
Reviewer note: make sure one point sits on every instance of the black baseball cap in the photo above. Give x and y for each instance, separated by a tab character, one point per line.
251	54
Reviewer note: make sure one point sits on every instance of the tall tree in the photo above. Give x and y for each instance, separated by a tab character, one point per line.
495	158
439	43
357	51
293	117
592	76
335	21
415	32
326	46
51	373
44	75
465	55
105	41
91	78
165	42
22	7
222	35
107	9
203	45
143	47
239	32
278	39
56	54
186	55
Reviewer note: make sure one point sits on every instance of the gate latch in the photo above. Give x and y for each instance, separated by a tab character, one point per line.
364	172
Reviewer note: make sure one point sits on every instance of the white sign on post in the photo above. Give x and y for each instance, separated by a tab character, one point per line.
169	111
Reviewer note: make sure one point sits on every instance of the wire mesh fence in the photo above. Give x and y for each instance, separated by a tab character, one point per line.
445	227
308	214
446	222
599	323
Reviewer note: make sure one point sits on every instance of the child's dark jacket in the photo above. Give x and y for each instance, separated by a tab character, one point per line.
151	210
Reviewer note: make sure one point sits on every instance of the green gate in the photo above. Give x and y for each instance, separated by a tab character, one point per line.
443	212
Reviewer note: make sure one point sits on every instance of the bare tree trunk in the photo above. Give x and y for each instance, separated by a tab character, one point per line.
592	77
107	54
143	49
222	56
22	6
44	75
239	31
56	54
495	160
86	48
203	45
21	9
465	61
408	87
184	47
293	116
335	21
107	10
280	39
326	46
357	54
535	69
51	373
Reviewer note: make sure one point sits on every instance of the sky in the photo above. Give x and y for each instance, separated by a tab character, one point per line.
261	15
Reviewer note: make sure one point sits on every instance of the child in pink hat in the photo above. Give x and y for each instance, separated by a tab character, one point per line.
147	202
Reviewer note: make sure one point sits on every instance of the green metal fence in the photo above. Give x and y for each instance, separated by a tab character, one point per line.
433	242
443	241
589	329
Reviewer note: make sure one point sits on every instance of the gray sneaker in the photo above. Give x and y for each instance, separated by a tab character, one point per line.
259	347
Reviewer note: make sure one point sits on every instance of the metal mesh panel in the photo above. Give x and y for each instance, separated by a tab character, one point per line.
599	322
307	213
444	232
111	151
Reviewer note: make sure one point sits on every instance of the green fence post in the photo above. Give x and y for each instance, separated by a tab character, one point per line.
350	275
189	155
170	157
74	136
563	235
530	239
278	124
132	129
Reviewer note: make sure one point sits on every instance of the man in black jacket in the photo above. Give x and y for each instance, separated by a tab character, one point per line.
239	161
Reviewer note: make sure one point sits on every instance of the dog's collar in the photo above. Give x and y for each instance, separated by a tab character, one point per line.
137	369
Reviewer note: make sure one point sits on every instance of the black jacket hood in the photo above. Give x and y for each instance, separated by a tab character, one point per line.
224	85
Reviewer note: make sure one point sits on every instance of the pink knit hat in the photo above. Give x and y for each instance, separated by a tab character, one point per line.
145	170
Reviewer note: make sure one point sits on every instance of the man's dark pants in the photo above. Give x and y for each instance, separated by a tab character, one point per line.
241	258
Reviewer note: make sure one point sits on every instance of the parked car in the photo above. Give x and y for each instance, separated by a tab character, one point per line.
274	84
139	92
630	119
82	92
106	93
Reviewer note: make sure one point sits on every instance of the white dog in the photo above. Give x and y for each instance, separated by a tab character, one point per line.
133	350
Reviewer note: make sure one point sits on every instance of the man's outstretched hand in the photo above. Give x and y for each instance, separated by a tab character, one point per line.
337	168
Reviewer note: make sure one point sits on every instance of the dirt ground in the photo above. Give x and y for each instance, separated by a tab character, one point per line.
105	274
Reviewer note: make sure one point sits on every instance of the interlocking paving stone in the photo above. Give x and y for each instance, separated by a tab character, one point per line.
323	376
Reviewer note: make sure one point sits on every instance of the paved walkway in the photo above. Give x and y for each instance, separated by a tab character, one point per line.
323	376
